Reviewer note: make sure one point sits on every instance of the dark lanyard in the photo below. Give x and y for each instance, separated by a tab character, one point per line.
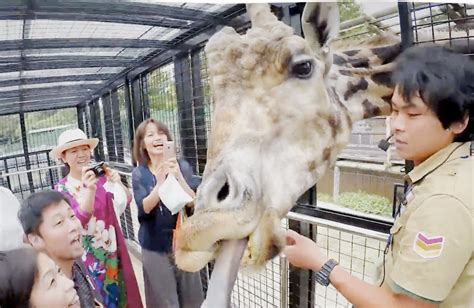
402	203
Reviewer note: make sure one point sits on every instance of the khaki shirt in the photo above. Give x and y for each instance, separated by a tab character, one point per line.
432	256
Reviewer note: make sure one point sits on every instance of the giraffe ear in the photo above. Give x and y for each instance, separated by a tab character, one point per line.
320	22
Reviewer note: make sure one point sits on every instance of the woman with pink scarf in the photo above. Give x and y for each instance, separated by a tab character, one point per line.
96	201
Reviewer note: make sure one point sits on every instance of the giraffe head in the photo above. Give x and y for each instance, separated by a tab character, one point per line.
282	113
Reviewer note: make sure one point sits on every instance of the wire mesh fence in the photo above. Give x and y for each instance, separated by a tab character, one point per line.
124	119
161	93
357	250
21	150
449	23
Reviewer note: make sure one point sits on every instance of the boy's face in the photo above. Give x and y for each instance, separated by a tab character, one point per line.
418	133
60	233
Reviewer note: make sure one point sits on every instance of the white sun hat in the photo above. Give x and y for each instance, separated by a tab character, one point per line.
72	138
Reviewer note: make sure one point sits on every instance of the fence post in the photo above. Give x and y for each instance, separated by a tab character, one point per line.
117	125
406	31
25	151
109	126
199	112
97	130
136	102
284	267
80	118
185	110
301	282
145	97
130	118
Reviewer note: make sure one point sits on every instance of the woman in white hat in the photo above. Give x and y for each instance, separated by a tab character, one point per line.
95	201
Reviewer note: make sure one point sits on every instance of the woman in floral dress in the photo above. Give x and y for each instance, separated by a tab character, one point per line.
96	201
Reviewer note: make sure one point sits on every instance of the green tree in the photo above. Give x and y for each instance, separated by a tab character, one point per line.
349	10
161	90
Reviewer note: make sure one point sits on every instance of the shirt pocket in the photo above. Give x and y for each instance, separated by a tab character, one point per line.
395	234
396	228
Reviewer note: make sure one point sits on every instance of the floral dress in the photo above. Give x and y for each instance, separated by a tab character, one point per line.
105	252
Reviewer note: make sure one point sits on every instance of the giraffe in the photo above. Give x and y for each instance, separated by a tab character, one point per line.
284	109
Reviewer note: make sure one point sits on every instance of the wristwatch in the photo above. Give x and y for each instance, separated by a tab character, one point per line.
322	277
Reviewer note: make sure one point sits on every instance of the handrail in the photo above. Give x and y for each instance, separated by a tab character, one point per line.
337	226
4	175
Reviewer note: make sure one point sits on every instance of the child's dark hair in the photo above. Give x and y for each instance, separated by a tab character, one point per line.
18	270
31	211
444	80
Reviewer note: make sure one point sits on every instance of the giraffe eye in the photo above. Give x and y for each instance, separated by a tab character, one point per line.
303	69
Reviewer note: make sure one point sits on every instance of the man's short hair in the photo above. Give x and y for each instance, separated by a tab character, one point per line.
31	211
445	81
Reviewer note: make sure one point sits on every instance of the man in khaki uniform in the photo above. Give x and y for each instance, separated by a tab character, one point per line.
429	259
432	257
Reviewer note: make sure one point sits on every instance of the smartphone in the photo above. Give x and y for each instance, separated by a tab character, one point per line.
169	150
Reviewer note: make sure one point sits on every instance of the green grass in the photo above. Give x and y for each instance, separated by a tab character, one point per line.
362	202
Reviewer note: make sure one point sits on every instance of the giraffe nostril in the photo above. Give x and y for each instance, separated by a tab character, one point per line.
223	192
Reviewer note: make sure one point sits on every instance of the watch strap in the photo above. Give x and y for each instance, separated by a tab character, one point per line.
322	276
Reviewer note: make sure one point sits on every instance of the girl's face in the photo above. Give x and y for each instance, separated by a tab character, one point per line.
51	287
77	157
153	140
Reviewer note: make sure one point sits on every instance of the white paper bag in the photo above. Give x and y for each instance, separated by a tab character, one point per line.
173	196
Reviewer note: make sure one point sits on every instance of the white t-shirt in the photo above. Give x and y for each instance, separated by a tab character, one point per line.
11	231
120	196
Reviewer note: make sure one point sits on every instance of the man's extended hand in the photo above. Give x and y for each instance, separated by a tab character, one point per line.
303	252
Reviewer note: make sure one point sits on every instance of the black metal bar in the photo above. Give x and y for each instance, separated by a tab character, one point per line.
185	108
80	118
86	89
349	219
40	80
76	95
117	126
58	64
97	130
9	183
29	107
25	150
130	116
50	171
124	8
406	30
406	33
85	43
199	112
302	285
21	154
109	127
137	102
145	97
154	21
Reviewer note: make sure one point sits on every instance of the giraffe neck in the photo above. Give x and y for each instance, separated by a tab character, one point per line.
360	80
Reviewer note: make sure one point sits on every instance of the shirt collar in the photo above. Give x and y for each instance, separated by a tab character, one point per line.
450	152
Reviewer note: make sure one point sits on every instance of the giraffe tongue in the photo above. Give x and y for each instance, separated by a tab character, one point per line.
224	273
